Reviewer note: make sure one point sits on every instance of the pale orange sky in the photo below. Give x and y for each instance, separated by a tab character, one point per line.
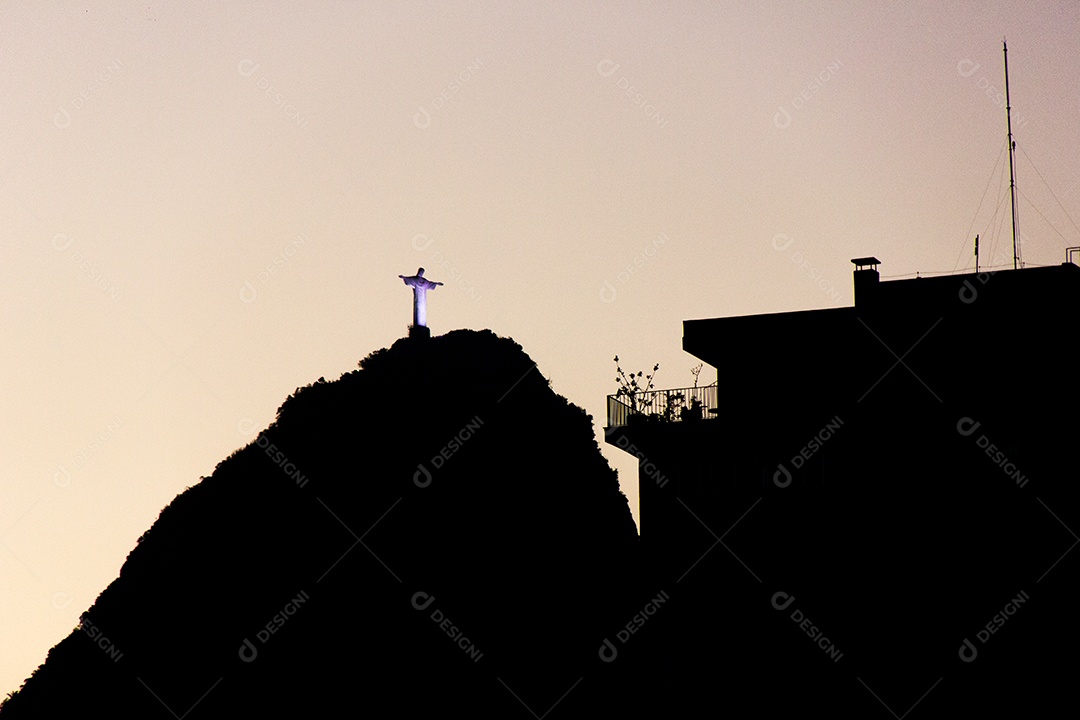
205	207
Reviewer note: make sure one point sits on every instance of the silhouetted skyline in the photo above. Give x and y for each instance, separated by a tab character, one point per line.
376	548
885	526
206	207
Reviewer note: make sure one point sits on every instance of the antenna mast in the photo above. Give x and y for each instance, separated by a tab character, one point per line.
1012	155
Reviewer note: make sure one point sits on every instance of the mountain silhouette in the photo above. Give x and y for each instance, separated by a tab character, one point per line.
435	530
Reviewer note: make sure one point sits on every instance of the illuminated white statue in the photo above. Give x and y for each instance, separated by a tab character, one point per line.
420	285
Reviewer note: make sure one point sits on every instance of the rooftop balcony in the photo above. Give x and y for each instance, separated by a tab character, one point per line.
662	406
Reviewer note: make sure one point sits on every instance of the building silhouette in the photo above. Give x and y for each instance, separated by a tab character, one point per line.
875	504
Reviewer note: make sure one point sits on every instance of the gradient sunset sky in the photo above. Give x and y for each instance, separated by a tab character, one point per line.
206	205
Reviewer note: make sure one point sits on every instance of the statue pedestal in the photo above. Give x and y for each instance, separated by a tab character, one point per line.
419	331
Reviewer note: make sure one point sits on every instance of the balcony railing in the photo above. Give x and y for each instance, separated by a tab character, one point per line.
678	405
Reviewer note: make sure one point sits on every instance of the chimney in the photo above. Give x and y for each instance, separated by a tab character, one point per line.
866	280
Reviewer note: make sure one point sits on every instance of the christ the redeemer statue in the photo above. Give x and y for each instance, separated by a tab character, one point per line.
420	285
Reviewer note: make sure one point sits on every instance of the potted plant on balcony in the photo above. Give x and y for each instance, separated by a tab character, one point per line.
633	387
